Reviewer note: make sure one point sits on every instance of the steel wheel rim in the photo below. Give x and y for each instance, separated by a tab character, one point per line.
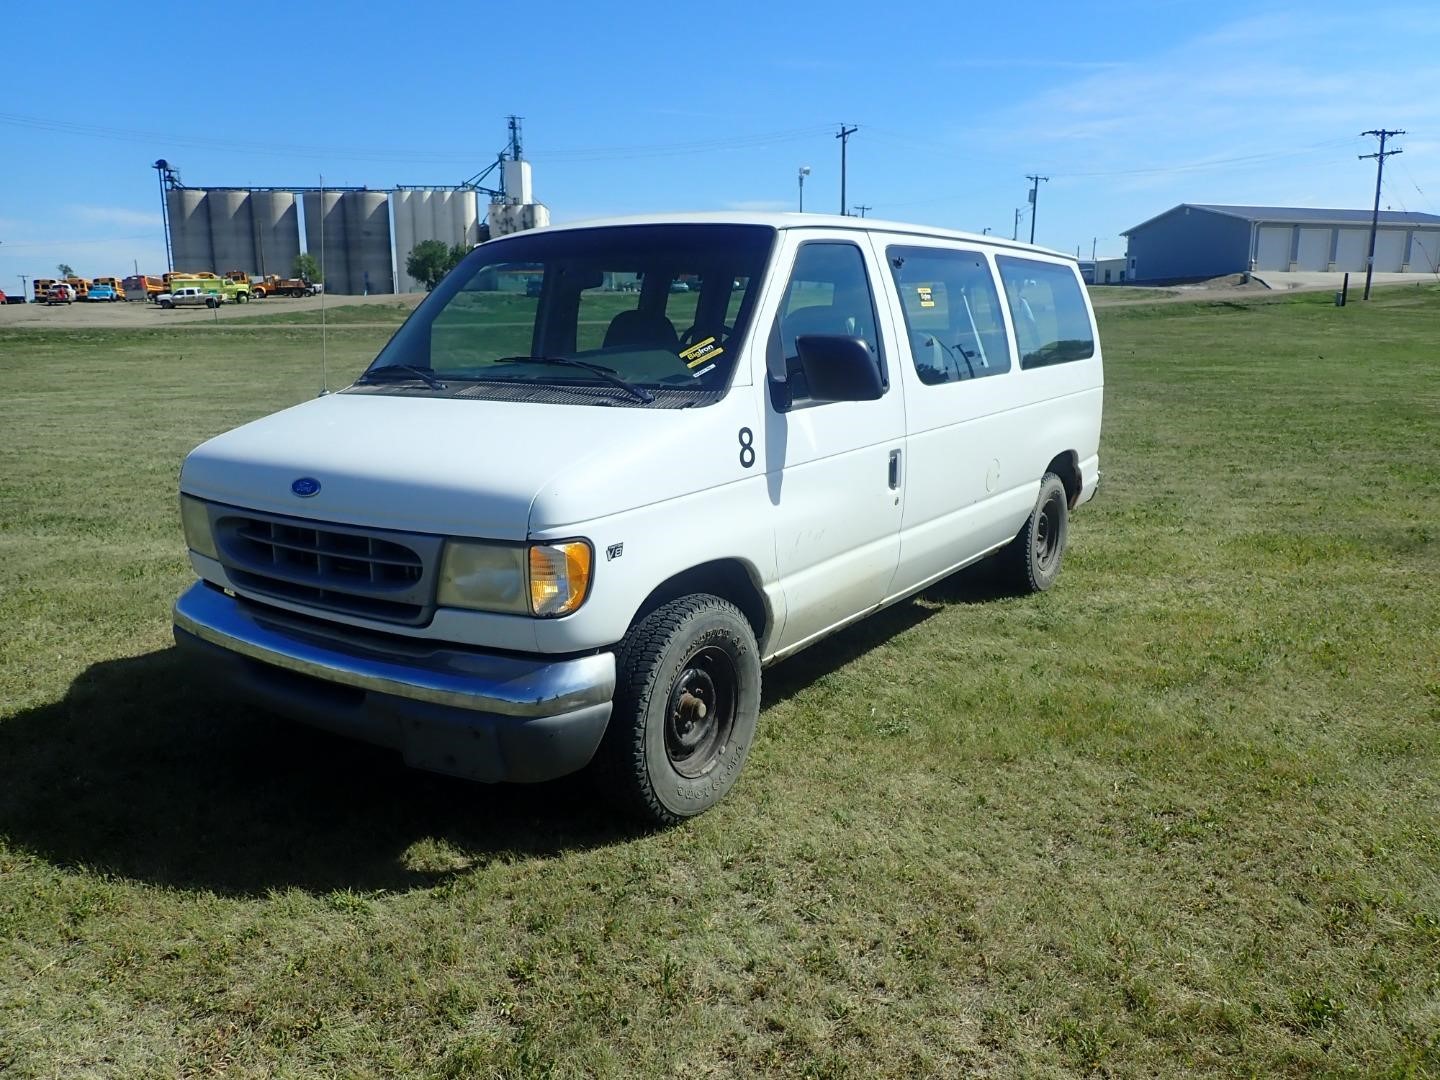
700	713
1047	533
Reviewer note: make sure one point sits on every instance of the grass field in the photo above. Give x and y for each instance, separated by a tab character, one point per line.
1180	816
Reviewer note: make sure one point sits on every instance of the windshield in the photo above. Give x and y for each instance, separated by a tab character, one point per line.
634	315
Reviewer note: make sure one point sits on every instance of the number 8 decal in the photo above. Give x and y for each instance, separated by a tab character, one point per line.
747	448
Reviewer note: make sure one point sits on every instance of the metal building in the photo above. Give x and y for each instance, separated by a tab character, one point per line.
1201	240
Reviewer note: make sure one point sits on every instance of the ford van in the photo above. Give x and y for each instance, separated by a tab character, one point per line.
565	525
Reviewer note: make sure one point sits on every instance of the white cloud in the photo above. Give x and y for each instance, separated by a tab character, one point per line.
1264	109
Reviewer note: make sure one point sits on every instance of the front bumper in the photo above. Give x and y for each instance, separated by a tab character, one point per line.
451	710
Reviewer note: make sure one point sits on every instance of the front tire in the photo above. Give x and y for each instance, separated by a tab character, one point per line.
687	699
1032	561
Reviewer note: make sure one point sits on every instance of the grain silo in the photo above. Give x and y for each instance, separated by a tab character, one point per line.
466	217
189	214
277	232
404	239
326	238
232	232
367	232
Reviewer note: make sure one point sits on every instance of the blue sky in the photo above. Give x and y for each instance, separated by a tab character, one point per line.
639	107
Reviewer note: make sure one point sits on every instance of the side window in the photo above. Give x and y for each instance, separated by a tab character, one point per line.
952	313
829	293
1052	325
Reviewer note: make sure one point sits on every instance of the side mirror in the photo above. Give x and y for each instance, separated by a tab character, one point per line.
839	368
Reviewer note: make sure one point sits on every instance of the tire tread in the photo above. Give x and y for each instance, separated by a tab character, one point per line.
621	758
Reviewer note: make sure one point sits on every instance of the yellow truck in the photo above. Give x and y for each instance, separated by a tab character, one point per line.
222	289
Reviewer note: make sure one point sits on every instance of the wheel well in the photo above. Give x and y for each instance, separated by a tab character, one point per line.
725	578
1067	467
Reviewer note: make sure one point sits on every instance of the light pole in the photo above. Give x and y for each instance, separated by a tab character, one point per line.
804	172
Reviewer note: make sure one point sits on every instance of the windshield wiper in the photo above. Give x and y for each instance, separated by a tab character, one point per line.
608	374
407	371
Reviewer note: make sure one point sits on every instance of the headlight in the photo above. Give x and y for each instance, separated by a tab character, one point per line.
559	576
534	579
195	519
488	577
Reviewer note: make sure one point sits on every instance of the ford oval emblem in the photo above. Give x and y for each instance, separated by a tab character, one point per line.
305	487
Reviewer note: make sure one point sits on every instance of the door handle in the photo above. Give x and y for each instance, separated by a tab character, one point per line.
894	470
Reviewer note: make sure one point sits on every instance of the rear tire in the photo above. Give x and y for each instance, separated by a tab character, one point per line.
687	699
297	293
1032	560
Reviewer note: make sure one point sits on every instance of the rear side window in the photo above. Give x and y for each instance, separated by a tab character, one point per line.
1052	325
952	313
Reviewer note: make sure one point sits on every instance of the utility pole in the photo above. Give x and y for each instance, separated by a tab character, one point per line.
25	286
862	209
1015	232
1375	215
804	172
844	136
1034	199
1093	241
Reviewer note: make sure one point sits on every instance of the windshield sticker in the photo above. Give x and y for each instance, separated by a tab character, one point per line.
702	352
702	371
927	297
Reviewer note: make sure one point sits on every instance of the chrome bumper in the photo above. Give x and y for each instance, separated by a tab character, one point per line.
467	713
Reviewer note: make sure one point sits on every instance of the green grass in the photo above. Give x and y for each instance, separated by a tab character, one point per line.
1180	816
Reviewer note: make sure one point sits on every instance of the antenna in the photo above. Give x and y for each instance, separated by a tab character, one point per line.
324	352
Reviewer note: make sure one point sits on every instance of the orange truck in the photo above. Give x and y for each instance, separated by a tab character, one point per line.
274	285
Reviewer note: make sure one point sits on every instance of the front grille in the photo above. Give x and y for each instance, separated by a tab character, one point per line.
374	573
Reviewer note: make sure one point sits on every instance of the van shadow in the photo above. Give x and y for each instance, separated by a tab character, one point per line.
145	771
148	771
980	583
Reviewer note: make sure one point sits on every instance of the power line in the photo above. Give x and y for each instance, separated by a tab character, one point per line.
1379	157
1182	167
582	153
1409	176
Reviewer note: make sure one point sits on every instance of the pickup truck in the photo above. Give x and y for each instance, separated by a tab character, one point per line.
189	296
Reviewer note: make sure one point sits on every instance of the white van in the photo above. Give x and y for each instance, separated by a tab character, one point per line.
556	524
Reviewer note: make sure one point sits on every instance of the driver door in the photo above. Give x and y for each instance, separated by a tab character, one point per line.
835	470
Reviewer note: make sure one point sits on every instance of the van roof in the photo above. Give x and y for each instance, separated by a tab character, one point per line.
806	221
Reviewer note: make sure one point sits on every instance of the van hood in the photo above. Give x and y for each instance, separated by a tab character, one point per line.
461	467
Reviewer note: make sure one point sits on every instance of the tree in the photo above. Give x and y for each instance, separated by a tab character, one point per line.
65	270
307	268
428	262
